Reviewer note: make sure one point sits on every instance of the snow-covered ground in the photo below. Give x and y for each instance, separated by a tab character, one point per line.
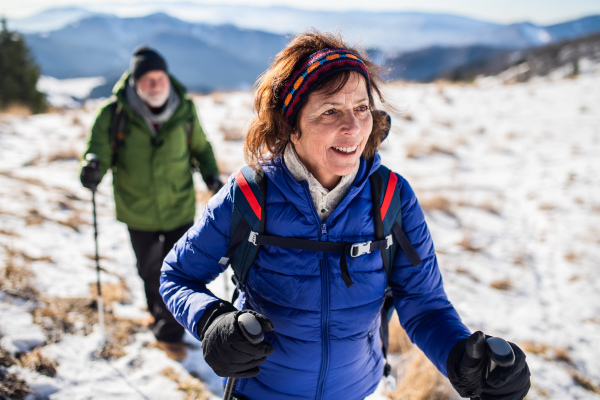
509	176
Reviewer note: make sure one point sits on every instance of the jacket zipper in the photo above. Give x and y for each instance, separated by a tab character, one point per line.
324	329
324	301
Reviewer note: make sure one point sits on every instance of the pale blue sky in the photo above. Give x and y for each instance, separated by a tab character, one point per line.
504	11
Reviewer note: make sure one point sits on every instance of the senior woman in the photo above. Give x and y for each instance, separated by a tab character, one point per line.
315	139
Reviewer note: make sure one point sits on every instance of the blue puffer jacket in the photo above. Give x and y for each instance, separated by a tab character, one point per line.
326	341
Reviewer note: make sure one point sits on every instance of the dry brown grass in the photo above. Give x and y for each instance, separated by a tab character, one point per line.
572	257
202	197
502	284
438	202
584	381
548	352
16	110
547	207
399	341
9	232
561	354
31	181
418	379
64	154
467	243
192	388
112	292
36	361
60	316
6	359
421	381
16	276
12	387
232	133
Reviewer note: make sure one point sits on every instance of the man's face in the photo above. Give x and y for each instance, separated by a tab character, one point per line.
153	88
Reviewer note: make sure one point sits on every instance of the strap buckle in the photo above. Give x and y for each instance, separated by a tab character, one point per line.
358	249
390	241
252	237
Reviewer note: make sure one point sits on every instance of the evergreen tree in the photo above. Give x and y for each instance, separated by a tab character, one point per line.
18	73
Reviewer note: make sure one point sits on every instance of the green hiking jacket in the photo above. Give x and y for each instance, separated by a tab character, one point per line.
152	184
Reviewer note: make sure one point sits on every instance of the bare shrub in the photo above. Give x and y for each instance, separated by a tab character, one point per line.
422	381
36	361
502	284
192	388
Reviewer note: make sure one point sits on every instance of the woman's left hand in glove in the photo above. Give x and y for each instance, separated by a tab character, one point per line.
469	375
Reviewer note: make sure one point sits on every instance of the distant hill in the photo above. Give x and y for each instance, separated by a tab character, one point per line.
522	65
204	57
238	44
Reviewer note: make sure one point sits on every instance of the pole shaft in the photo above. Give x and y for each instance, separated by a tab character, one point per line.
98	286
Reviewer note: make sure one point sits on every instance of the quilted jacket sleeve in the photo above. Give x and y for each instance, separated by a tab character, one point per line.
424	310
193	262
99	141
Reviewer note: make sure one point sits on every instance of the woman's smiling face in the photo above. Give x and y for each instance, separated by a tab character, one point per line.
334	131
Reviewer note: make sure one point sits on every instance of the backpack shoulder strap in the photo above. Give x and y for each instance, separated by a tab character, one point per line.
117	130
248	217
387	210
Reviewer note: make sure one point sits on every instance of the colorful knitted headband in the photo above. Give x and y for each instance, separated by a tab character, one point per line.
319	66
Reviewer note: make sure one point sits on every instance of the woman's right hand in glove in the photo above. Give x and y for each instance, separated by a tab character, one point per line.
226	350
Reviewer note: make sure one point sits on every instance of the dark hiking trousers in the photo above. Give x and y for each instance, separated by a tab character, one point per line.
150	249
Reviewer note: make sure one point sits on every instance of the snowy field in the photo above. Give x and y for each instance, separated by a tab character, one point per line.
509	176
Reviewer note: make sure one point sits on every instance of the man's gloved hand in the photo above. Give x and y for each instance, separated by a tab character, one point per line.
90	172
467	374
213	183
226	349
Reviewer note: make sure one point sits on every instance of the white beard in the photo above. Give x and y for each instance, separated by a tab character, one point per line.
155	100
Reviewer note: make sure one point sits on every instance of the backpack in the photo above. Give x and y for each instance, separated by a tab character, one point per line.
118	133
247	234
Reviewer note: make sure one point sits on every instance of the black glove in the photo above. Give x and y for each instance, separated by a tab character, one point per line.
213	183
467	374
226	349
90	172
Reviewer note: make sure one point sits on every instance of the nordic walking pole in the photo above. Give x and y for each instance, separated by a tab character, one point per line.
498	352
253	332
94	163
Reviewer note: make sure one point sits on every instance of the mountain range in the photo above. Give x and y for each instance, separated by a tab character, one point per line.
219	47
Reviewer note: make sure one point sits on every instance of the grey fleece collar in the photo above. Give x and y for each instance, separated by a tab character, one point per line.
325	200
141	108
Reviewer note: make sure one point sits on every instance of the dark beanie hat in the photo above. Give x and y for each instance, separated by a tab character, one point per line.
145	59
